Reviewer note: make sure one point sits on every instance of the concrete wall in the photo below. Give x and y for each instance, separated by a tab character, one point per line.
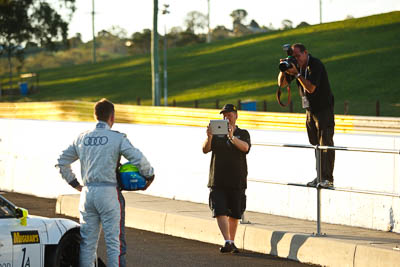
29	149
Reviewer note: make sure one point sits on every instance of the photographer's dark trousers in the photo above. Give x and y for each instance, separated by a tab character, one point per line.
320	130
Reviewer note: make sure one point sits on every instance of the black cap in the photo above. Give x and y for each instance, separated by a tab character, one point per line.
228	108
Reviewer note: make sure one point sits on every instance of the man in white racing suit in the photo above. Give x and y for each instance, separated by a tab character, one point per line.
101	201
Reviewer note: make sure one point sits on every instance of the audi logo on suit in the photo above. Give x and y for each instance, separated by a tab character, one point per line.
95	140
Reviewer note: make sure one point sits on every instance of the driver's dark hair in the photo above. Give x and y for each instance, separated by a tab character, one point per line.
103	109
300	46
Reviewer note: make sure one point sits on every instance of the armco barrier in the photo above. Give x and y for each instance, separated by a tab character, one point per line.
83	111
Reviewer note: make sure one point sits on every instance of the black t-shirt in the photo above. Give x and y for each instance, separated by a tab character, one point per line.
322	97
228	168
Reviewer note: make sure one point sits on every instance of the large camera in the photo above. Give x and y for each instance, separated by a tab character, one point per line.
286	64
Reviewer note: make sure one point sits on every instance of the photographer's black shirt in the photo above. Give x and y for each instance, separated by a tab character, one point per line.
322	98
228	167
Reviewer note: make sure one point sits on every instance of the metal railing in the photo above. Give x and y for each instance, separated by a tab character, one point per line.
318	150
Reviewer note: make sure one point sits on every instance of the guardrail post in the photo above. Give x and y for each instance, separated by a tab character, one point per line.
319	180
265	105
37	82
377	108
346	107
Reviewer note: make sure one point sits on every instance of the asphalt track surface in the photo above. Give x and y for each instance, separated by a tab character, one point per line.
152	249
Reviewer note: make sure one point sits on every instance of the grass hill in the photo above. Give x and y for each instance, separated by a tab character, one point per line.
361	55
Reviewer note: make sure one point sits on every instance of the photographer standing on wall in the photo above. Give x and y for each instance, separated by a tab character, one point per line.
317	99
228	176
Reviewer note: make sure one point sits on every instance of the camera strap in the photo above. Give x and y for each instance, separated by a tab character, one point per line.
278	96
303	91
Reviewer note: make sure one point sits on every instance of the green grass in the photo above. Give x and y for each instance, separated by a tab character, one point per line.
361	56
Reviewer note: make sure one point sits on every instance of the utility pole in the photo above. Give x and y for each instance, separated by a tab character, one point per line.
320	11
154	58
165	68
1	53
208	23
94	35
165	12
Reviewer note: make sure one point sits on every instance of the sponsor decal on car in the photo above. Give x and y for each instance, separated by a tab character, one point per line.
25	237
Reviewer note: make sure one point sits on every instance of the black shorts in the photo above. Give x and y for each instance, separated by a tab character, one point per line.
227	202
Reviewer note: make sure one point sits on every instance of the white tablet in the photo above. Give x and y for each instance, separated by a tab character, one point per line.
219	127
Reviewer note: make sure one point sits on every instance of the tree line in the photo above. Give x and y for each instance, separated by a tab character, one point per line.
34	27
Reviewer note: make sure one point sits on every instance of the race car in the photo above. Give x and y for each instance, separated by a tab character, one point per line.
36	241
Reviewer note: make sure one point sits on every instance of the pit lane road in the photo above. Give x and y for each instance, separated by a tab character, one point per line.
152	249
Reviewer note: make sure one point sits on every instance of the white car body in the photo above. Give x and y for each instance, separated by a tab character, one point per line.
32	240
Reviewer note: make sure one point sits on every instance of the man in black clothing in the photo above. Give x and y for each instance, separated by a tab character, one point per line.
318	100
228	176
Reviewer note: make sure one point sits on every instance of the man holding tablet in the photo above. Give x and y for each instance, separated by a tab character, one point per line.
228	174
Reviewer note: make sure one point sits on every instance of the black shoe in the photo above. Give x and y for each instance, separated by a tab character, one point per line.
226	248
326	184
313	183
234	248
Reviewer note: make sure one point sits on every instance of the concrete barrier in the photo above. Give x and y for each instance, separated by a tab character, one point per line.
29	149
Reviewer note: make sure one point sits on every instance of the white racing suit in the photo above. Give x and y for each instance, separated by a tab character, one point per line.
101	201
